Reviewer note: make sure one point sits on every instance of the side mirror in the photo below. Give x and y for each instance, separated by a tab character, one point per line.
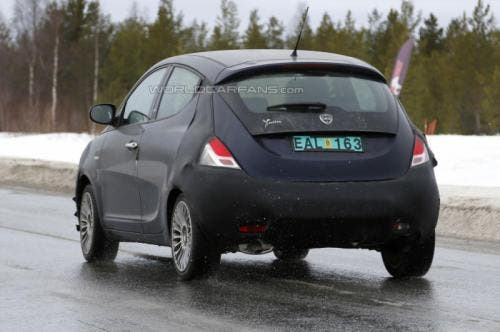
103	113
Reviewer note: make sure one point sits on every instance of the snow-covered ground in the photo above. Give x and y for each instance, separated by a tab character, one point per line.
65	147
467	160
463	160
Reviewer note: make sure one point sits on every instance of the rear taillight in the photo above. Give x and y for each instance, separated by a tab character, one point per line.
420	154
216	154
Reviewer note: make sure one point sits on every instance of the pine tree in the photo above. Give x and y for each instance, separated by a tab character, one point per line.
431	36
274	33
453	116
393	34
74	20
482	20
481	31
254	37
194	37
408	17
225	33
347	40
491	100
424	84
164	34
325	35
121	72
373	33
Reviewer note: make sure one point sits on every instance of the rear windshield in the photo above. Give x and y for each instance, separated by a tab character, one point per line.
337	92
356	103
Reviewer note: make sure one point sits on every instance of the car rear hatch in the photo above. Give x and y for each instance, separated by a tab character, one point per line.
310	124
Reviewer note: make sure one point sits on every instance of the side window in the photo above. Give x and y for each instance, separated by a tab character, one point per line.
138	106
178	93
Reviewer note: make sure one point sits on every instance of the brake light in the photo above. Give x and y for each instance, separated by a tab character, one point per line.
252	229
420	154
216	154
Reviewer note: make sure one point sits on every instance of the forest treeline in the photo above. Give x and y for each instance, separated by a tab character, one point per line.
58	58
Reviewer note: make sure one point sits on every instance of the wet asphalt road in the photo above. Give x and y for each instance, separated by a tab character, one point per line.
45	284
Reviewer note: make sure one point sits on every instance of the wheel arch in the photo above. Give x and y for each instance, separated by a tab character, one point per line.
81	183
172	198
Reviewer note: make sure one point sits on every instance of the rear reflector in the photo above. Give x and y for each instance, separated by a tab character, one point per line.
216	154
420	154
252	229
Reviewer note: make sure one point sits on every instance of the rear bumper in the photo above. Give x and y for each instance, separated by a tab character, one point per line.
312	214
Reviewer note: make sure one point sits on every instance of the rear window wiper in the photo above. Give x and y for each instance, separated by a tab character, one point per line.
298	107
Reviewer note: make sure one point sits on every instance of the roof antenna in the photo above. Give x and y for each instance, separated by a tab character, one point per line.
304	17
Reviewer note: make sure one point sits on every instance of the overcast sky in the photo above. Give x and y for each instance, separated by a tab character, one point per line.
207	10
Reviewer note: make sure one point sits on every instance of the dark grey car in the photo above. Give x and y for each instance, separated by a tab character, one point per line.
258	151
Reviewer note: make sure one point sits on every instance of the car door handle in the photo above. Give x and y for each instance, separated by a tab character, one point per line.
132	145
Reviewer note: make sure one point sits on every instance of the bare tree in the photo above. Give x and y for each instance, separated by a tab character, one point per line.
56	22
96	30
53	108
95	92
4	88
27	16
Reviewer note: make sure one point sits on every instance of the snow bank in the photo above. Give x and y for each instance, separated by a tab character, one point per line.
469	213
63	147
39	174
463	160
467	160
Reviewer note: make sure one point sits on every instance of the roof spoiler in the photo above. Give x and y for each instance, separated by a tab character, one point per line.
237	72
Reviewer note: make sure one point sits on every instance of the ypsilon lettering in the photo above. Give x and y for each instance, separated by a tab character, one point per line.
269	122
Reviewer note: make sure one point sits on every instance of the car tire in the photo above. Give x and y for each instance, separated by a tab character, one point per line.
95	246
290	254
414	259
191	252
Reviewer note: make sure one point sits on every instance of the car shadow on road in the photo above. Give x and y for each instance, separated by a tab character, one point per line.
272	293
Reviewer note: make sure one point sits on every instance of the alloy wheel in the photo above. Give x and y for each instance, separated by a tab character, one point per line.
182	239
87	223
